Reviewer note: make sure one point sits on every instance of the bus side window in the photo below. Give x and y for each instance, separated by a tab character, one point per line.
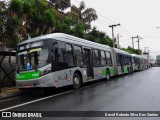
126	59
117	58
78	56
69	55
61	51
96	58
109	60
55	52
103	58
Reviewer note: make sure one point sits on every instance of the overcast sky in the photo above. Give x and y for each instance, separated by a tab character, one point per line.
137	17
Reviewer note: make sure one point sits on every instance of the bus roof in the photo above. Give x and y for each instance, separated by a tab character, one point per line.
139	56
121	51
68	38
135	55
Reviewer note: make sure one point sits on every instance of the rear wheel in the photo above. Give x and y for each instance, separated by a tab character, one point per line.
129	70
76	81
22	88
107	75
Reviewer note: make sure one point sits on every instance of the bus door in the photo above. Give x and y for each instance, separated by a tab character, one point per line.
88	63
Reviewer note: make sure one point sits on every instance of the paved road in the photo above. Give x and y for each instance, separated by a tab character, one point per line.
139	91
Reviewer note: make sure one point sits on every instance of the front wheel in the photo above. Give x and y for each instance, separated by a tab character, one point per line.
76	81
129	70
107	75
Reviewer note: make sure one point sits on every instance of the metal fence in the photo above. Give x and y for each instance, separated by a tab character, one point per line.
7	68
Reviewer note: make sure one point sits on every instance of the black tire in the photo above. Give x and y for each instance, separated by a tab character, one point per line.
107	75
129	70
22	88
76	81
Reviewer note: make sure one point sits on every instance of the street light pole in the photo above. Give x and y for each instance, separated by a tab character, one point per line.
112	26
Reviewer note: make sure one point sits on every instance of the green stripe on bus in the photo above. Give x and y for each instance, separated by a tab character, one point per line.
28	75
125	69
111	71
104	72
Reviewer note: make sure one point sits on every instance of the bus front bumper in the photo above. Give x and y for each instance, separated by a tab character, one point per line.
40	82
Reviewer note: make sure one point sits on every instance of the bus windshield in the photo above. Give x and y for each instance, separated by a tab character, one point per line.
33	58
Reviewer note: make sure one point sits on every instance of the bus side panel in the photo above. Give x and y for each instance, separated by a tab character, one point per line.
81	71
99	73
65	77
111	70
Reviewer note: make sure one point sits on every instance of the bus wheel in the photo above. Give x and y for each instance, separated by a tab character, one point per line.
107	75
22	88
129	70
76	81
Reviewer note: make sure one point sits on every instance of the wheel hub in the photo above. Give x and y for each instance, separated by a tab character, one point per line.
76	80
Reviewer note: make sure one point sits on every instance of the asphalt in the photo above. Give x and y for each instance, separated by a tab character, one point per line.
138	91
10	92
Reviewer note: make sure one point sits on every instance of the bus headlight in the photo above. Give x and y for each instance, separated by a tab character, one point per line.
45	72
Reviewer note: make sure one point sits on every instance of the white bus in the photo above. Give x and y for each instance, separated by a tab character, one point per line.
139	62
123	61
58	59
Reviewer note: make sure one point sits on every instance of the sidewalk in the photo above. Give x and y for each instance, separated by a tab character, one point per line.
9	92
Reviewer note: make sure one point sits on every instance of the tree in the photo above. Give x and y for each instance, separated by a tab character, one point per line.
75	12
27	18
89	15
60	5
131	50
66	25
86	15
23	19
99	37
42	18
2	19
78	30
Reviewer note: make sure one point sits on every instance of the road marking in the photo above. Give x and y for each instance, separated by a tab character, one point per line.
35	101
93	85
47	97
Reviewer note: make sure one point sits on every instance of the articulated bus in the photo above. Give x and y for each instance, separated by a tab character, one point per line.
139	62
123	61
145	62
58	59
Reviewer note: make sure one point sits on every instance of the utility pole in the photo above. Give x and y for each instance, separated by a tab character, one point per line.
132	42
138	38
138	41
118	36
118	40
112	26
